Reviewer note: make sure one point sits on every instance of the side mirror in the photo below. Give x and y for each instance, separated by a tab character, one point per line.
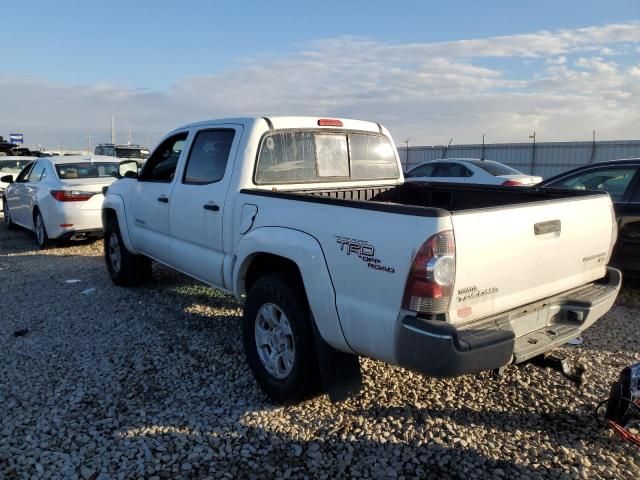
7	179
128	169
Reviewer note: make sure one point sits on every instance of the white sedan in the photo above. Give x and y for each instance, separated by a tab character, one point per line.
59	197
469	170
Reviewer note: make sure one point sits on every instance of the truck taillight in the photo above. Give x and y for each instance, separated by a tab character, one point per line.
614	232
71	195
430	283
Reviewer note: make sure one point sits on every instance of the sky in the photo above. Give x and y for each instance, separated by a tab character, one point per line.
430	71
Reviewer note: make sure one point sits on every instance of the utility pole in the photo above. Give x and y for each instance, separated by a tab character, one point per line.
89	138
533	152
406	158
593	147
129	141
482	155
113	129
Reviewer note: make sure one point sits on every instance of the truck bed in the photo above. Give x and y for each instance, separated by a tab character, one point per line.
451	197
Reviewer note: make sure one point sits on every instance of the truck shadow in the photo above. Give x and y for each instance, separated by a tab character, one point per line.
254	452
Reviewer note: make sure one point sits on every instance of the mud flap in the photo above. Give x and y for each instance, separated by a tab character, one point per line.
340	372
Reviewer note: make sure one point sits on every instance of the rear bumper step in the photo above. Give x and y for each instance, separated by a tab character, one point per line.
439	349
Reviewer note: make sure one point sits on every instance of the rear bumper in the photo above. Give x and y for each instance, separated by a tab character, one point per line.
439	349
83	221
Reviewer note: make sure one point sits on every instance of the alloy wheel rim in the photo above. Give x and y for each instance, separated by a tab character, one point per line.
39	229
114	253
274	340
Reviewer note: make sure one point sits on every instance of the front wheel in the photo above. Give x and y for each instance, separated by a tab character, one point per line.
278	339
125	268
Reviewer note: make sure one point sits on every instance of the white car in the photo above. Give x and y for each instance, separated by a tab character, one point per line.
469	170
12	166
59	197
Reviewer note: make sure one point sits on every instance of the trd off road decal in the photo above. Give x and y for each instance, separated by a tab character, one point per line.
364	251
469	293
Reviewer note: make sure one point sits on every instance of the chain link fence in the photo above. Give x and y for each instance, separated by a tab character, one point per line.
545	159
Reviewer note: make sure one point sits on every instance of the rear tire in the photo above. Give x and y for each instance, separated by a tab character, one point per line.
7	217
40	231
278	339
125	268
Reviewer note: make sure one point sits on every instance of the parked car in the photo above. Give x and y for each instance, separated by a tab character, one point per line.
12	165
469	170
310	223
59	198
621	180
132	152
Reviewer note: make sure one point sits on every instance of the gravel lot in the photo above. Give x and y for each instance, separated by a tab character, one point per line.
151	382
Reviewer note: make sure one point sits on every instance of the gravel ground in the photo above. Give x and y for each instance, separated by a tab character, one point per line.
151	382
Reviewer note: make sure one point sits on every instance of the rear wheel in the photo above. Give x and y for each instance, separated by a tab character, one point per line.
40	230
7	217
278	339
125	268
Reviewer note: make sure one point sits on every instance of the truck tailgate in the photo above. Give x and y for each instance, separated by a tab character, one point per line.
509	257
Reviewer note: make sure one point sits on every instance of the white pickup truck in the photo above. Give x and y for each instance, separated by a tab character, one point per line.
308	220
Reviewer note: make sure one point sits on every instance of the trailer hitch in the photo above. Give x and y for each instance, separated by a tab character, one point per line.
575	373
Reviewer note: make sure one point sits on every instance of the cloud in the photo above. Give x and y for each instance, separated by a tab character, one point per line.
429	92
561	60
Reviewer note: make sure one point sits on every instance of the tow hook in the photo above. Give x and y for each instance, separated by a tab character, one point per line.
560	363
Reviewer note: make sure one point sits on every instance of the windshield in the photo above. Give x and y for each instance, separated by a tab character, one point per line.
311	156
13	165
131	153
494	168
68	171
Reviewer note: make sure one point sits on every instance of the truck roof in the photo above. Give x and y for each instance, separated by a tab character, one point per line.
284	122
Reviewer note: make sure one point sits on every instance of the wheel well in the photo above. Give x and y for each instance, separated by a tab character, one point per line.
266	263
108	214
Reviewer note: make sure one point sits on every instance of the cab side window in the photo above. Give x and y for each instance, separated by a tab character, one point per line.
208	156
161	165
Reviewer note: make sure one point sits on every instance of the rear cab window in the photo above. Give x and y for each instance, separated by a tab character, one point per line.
303	156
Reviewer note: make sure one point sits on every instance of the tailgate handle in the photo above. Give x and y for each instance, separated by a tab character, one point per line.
552	226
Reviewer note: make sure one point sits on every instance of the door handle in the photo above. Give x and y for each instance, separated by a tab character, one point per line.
211	206
552	226
163	199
